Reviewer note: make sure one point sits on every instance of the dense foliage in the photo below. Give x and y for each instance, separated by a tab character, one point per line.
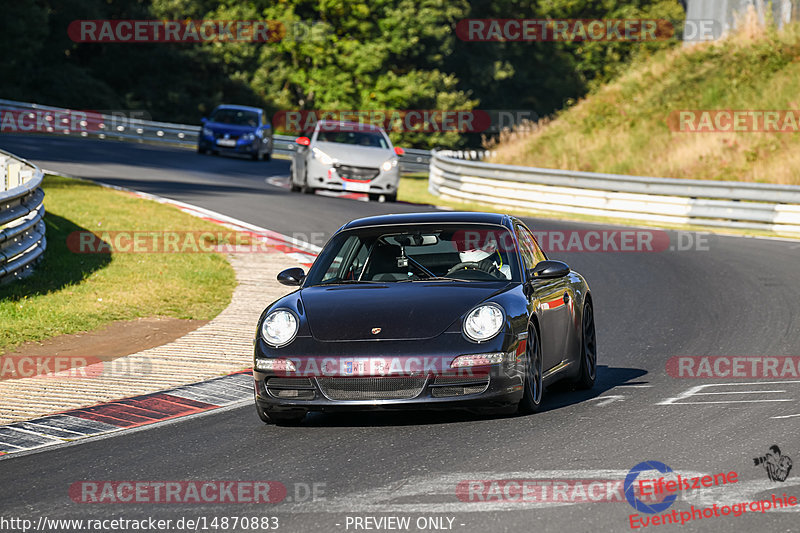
339	54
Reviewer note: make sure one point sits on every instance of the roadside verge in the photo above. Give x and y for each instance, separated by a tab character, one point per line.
223	347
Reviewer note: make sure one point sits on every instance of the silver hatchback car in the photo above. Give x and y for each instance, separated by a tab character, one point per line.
347	156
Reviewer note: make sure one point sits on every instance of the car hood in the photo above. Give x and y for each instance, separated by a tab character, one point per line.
360	156
231	129
405	310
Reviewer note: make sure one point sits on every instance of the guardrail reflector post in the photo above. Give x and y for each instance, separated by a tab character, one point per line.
13	175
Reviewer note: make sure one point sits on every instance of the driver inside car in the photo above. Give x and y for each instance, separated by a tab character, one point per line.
483	255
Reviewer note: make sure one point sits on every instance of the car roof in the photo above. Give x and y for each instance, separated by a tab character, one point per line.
345	124
434	217
239	107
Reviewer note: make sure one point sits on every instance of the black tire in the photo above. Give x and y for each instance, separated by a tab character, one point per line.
304	188
255	156
391	197
533	387
374	197
588	371
293	187
268	156
201	150
283	419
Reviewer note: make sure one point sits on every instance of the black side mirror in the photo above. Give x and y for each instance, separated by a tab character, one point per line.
548	270
292	276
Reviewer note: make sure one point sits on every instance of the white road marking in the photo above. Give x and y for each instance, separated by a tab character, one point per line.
278	181
696	391
786	416
742	392
732	401
605	400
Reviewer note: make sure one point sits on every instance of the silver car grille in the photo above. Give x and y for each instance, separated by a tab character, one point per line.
357	173
372	388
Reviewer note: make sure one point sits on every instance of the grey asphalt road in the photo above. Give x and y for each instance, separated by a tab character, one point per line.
729	296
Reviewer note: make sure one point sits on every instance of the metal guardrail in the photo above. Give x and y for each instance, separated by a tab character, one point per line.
22	233
35	118
460	175
773	208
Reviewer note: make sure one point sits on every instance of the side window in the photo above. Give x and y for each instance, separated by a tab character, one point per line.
526	250
531	253
338	269
540	255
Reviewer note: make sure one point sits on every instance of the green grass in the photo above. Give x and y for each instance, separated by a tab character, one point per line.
71	292
623	127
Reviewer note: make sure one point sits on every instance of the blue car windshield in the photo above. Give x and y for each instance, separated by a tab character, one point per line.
235	117
387	254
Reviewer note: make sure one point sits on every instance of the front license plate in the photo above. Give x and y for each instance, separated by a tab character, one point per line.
356	186
354	367
226	142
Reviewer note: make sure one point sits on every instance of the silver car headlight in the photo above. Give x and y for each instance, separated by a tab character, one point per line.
484	322
279	328
322	157
389	164
207	132
249	137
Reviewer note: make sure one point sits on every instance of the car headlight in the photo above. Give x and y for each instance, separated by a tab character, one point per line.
248	137
389	164
279	328
321	156
484	322
207	132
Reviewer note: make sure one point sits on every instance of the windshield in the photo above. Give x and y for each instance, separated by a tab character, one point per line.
417	253
236	117
372	139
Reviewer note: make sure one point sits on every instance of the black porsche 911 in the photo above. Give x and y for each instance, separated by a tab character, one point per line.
439	310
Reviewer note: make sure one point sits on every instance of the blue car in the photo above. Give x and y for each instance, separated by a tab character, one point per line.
237	129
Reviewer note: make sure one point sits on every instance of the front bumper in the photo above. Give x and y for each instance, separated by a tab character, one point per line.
241	147
421	377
